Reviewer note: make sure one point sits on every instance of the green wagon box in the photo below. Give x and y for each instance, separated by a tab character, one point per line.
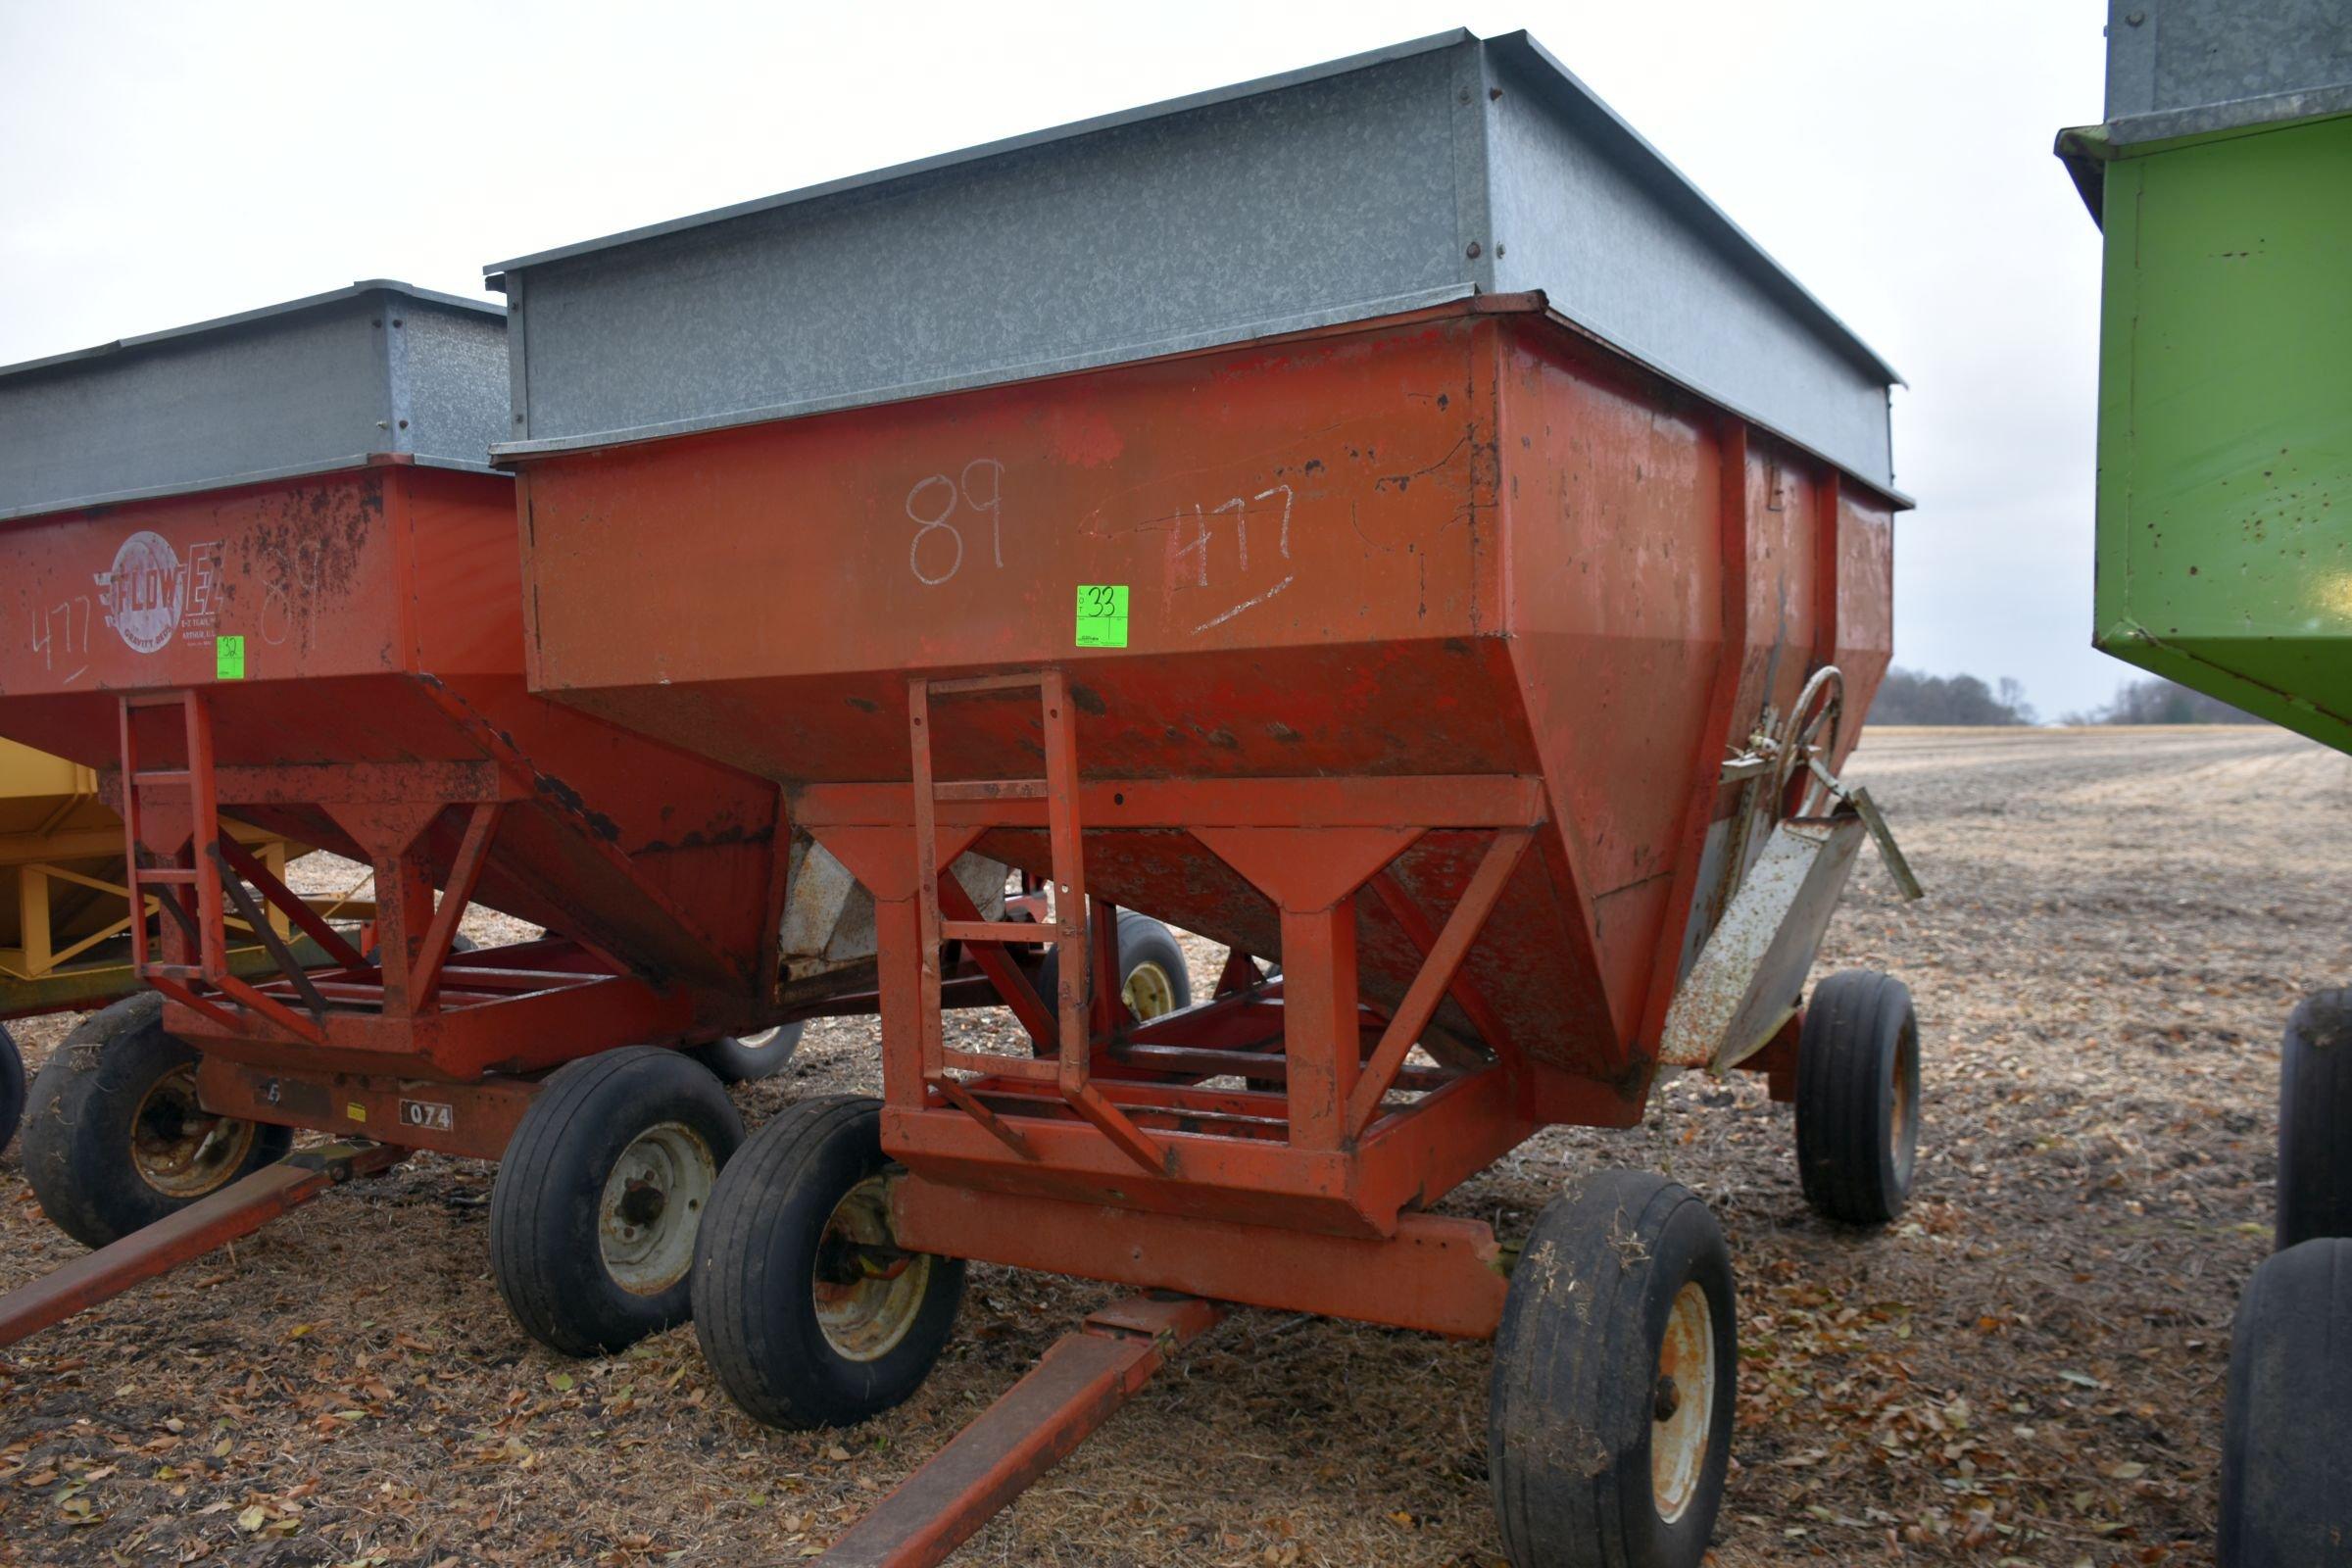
2221	180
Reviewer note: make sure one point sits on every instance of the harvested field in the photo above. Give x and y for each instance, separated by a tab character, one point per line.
2028	1368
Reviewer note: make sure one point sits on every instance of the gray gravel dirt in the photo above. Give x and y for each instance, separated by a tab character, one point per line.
2025	1369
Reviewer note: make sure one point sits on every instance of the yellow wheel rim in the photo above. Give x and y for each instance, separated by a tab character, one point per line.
1148	992
178	1146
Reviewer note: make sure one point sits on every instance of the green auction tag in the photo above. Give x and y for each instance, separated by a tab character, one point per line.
228	658
1102	615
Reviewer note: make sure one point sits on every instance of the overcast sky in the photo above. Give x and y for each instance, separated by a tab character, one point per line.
160	163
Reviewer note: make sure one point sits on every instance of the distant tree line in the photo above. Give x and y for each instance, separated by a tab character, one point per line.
2157	700
1907	697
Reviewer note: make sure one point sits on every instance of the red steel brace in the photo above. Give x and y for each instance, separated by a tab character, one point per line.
237	1209
1074	1389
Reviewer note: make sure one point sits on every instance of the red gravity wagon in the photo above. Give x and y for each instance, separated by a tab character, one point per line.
262	565
1381	518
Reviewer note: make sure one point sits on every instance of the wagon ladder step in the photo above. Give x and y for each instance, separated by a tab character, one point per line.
174	886
195	900
1039	1421
1064	1021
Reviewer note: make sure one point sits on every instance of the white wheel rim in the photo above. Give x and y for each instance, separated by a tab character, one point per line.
652	1205
760	1039
1682	1414
868	1293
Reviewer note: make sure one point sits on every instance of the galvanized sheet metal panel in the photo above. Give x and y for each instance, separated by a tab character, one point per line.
1751	975
1592	216
2169	55
305	387
1217	224
1351	190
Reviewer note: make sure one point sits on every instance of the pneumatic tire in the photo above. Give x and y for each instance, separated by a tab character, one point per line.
1609	1414
1857	1098
2314	1120
115	1139
1153	977
808	1313
2287	1426
603	1187
12	1089
748	1058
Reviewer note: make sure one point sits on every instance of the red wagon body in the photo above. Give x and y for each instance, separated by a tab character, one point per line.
261	566
1379	518
337	651
1399	596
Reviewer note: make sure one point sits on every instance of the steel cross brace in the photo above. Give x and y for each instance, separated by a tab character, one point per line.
1084	931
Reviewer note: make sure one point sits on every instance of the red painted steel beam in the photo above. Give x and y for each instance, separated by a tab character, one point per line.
1240	973
239	1210
1267	1064
475	1119
474	852
1424	936
1438	1274
355	782
296	907
1438	971
514	1034
1461	801
1032	1010
1078	1385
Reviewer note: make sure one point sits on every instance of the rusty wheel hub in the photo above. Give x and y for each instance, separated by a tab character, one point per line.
180	1149
868	1291
1683	1404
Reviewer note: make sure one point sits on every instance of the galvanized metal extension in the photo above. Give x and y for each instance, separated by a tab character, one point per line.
303	387
2219	180
1418	174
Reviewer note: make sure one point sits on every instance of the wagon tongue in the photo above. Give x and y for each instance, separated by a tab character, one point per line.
239	1210
1039	1421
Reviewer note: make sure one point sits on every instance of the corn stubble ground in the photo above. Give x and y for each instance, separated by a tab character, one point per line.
2028	1368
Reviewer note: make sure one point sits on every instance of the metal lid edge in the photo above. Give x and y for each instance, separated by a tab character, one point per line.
297	471
494	273
1713	222
223	324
